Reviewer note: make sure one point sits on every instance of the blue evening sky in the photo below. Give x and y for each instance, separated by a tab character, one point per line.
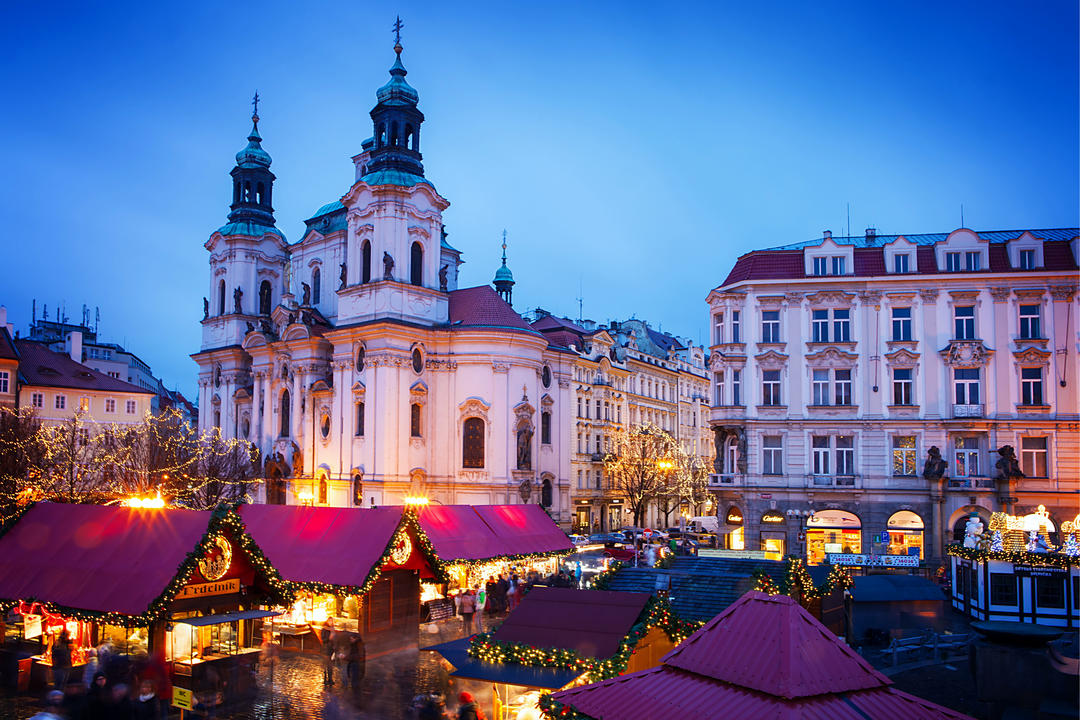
633	148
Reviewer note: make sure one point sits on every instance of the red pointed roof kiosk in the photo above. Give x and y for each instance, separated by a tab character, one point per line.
182	585
476	542
763	657
355	570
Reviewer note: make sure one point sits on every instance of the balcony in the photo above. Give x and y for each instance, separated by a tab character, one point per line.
844	482
970	483
967	411
722	480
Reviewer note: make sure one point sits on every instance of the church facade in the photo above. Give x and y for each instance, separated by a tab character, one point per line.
353	360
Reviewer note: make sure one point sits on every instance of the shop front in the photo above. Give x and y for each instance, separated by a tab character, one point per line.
832	531
774	534
905	530
732	535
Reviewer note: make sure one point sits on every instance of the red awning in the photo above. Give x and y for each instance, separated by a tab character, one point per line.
524	529
339	546
95	557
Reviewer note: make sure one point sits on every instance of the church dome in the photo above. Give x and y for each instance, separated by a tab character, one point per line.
253	154
504	274
398	91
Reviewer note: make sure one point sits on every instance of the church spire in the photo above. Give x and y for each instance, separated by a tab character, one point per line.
253	183
504	279
397	121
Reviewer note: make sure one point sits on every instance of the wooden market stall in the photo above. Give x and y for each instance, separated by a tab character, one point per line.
180	585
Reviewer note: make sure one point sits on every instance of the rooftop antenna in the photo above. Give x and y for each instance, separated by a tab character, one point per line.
97	317
580	301
33	311
961	214
848	232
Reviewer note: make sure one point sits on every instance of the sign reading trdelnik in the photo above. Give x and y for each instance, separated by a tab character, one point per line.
873	560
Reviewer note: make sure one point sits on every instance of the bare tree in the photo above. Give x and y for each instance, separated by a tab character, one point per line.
638	465
76	465
226	470
22	453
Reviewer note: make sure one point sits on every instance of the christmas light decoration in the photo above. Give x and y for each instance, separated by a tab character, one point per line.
1017	557
798	584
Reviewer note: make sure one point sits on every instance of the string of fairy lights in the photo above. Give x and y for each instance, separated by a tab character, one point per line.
1017	557
798	584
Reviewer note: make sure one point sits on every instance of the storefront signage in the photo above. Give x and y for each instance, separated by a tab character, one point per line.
182	698
772	517
766	496
734	517
739	554
401	551
31	626
873	560
222	587
1039	571
218	559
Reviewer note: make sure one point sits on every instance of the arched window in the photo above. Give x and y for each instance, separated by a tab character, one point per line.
382	134
394	133
259	194
417	361
360	354
359	428
236	192
472	443
286	408
316	286
324	490
416	264
545	427
365	262
414	420
408	136
358	489
545	493
264	297
221	297
247	192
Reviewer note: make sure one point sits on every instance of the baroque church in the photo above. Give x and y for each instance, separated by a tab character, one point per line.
353	360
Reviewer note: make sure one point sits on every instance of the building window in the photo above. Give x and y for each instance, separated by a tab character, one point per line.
972	261
718	328
264	297
820	448
736	327
821	266
1027	259
1029	322
417	361
736	387
838	266
770	387
966	381
316	286
903	386
84	404
580	480
845	455
221	297
358	489
772	455
60	402
819	326
359	426
545	427
1031	386
952	262
964	322
365	262
110	405
286	409
719	388
1003	589
4	379
37	400
841	325
903	454
579	407
1050	592
1033	456
324	490
472	443
901	324
820	386
770	326
416	264
129	407
842	386
901	263
966	457
597	409
84	437
414	420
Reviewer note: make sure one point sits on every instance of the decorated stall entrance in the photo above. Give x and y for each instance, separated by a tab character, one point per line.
832	531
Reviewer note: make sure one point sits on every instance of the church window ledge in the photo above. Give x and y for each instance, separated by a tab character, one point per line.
473	476
1033	409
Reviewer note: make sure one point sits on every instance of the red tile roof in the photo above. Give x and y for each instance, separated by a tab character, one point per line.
563	338
869	261
550	322
763	657
1058	256
482	306
96	557
592	622
780	264
7	347
39	365
926	260
999	258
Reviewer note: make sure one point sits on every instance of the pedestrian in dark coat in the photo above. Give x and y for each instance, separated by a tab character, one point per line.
356	660
468	710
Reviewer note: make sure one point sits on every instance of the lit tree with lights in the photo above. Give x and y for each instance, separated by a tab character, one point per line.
642	466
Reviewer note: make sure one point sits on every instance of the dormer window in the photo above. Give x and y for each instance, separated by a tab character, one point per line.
821	266
1027	259
838	266
952	262
902	263
972	261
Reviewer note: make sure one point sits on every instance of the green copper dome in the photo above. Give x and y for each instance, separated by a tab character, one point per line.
504	274
397	91
253	154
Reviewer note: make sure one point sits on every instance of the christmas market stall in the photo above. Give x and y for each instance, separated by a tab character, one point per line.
763	657
182	586
355	570
476	543
1012	571
558	637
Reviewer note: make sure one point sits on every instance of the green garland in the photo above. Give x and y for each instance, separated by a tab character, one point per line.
1017	557
657	613
560	711
798	583
603	580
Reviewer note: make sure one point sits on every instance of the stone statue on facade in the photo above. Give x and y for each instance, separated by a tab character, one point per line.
524	447
251	327
305	297
442	278
935	466
343	276
237	298
1007	465
205	308
388	266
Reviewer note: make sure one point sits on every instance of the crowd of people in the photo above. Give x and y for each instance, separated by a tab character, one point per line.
503	592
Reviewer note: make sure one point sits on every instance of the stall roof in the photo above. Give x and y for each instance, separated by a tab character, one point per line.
470	668
592	622
484	532
337	546
524	529
457	533
226	617
97	557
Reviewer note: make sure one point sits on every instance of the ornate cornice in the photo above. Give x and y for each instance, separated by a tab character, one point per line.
1032	356
771	360
966	354
831	357
1000	294
831	298
1063	293
928	296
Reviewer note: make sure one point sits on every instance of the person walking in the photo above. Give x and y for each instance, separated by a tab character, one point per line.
468	607
468	709
356	660
61	660
326	637
53	707
482	601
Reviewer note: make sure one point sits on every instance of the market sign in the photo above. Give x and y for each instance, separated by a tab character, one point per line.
1039	571
198	590
734	517
772	517
218	559
182	698
31	626
738	554
873	560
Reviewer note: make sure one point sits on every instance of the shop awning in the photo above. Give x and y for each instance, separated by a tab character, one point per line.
96	557
226	617
457	533
470	668
524	529
338	546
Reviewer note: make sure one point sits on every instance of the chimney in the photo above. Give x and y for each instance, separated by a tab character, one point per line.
74	345
3	320
826	234
871	234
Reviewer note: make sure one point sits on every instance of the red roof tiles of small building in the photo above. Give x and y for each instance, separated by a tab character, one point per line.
39	365
550	322
591	622
482	306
